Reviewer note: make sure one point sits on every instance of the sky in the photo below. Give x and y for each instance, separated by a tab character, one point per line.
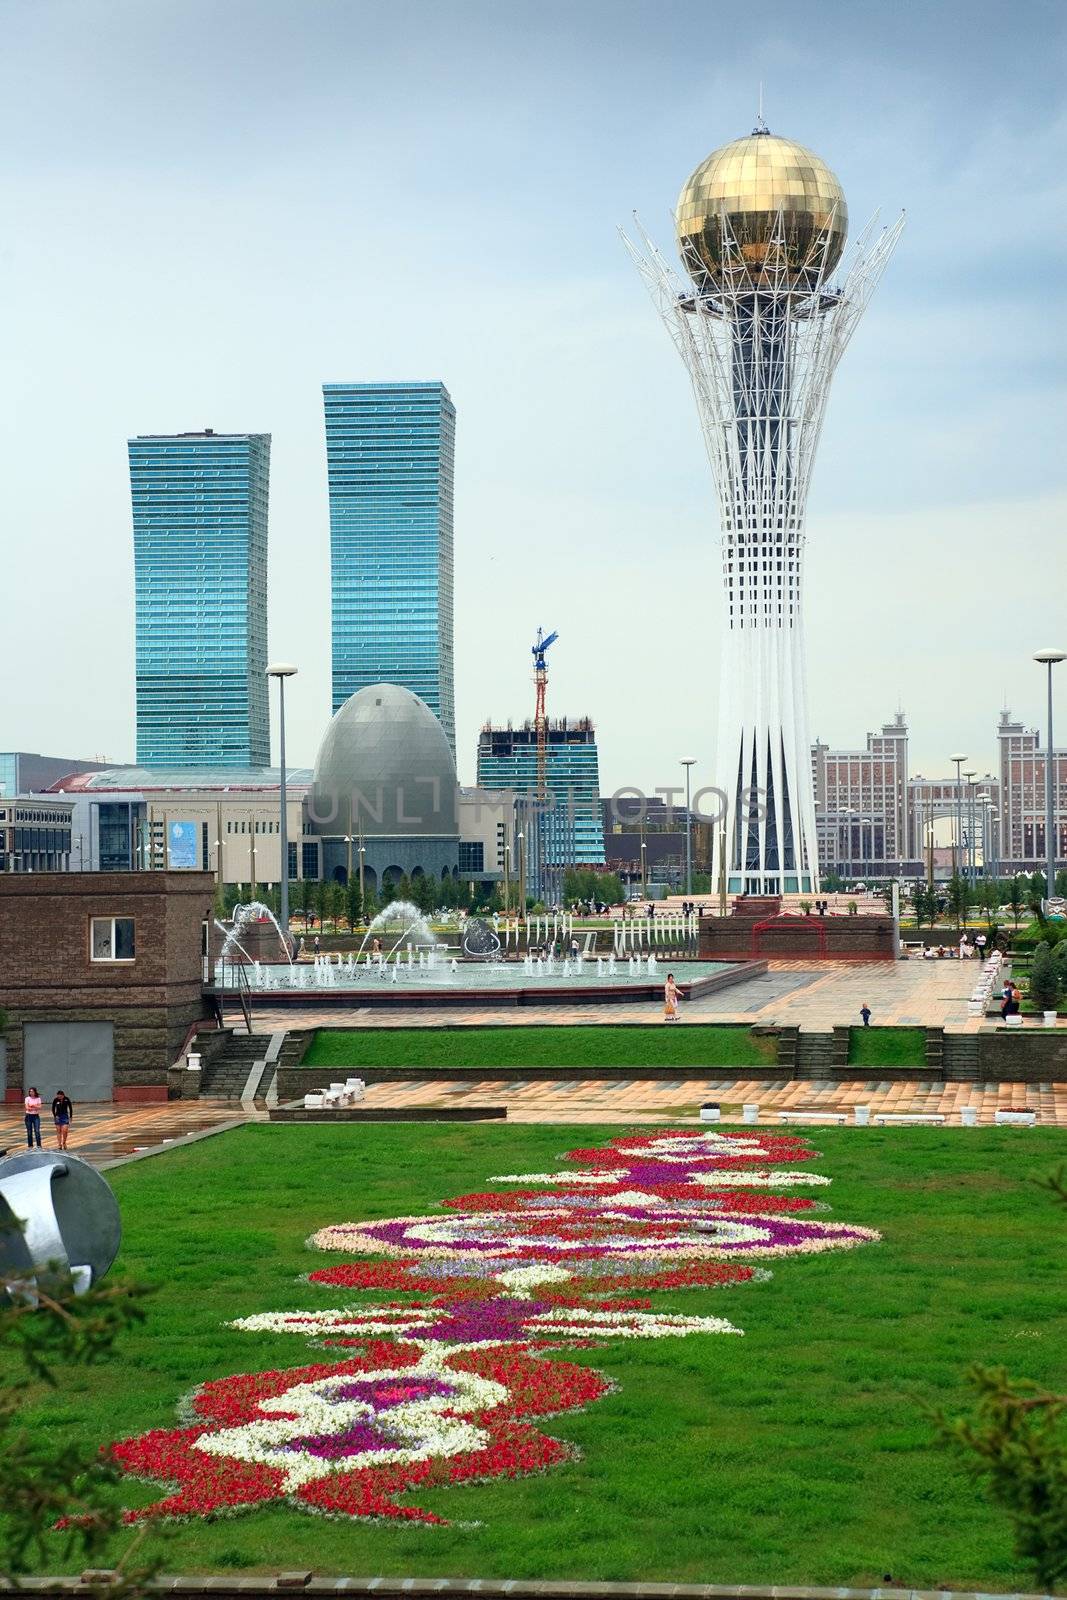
208	210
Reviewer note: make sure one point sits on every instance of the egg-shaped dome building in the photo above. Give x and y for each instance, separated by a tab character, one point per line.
727	216
385	779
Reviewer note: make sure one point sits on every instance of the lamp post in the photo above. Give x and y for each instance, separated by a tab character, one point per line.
218	860
282	670
1049	659
520	839
348	869
507	879
972	865
957	843
644	869
362	891
688	762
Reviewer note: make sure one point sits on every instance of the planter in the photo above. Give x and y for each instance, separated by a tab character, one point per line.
1049	1018
1014	1021
863	1116
750	1111
709	1113
969	1116
1015	1119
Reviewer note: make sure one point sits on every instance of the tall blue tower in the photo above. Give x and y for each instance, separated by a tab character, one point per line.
200	561
390	450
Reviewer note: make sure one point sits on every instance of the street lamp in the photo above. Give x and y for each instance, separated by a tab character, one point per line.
957	843
218	860
644	870
507	879
348	869
688	762
362	892
1050	658
521	841
972	864
282	670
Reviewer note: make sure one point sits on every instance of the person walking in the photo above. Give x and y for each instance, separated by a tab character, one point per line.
865	1013
62	1116
670	999
32	1106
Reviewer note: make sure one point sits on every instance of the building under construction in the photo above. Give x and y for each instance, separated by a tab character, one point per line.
572	833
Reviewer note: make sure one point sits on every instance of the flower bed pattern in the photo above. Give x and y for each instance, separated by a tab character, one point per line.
442	1388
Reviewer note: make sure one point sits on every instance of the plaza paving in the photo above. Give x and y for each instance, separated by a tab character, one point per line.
789	994
107	1133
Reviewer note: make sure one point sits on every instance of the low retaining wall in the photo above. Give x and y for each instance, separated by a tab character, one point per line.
268	1586
467	1113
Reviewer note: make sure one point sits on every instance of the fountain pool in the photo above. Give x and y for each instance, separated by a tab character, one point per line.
433	977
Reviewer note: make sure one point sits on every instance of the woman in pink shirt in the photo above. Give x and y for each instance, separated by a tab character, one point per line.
32	1104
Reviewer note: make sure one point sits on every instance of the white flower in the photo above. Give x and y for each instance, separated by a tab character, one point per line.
422	1428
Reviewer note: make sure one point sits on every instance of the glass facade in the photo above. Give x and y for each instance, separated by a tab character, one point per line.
573	827
200	561
390	450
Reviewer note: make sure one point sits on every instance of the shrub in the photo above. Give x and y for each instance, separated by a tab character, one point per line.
1044	979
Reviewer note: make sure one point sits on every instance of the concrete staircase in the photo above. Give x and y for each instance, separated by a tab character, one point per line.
814	1055
959	1057
227	1074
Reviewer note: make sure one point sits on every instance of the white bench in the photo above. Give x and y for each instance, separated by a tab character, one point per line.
1015	1119
813	1116
924	1119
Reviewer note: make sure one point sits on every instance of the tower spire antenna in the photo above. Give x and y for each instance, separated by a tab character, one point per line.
761	126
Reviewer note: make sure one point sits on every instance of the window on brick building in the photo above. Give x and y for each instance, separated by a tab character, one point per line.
111	938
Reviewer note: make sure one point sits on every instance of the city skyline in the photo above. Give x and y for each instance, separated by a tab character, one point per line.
581	497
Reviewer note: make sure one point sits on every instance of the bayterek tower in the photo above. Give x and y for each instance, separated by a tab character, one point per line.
761	319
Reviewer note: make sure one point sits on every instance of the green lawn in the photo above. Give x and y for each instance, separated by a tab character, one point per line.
599	1045
887	1047
798	1454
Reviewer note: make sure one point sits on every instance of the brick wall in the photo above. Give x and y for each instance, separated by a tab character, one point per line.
46	974
797	938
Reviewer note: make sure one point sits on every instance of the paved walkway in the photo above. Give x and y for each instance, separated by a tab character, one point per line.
791	993
107	1133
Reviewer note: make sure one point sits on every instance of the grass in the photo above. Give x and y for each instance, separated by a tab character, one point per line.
799	1454
887	1047
599	1045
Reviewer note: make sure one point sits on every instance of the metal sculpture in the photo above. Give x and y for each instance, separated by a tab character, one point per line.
59	1225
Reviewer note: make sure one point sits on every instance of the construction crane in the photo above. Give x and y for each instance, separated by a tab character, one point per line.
539	649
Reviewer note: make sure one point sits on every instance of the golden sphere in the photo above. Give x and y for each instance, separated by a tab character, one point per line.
751	181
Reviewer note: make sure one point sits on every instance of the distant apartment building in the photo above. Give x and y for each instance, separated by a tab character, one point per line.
572	832
861	804
1023	775
390	451
200	505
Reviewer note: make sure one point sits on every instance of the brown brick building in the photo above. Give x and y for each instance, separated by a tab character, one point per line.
101	977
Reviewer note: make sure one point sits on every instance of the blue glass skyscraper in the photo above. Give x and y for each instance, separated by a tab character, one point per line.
390	450
200	561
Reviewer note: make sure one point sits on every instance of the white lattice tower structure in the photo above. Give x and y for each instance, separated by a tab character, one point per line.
761	328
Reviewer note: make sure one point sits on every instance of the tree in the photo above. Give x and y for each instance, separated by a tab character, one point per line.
403	888
353	904
832	882
388	892
960	898
40	1486
1016	900
1044	979
924	903
989	898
